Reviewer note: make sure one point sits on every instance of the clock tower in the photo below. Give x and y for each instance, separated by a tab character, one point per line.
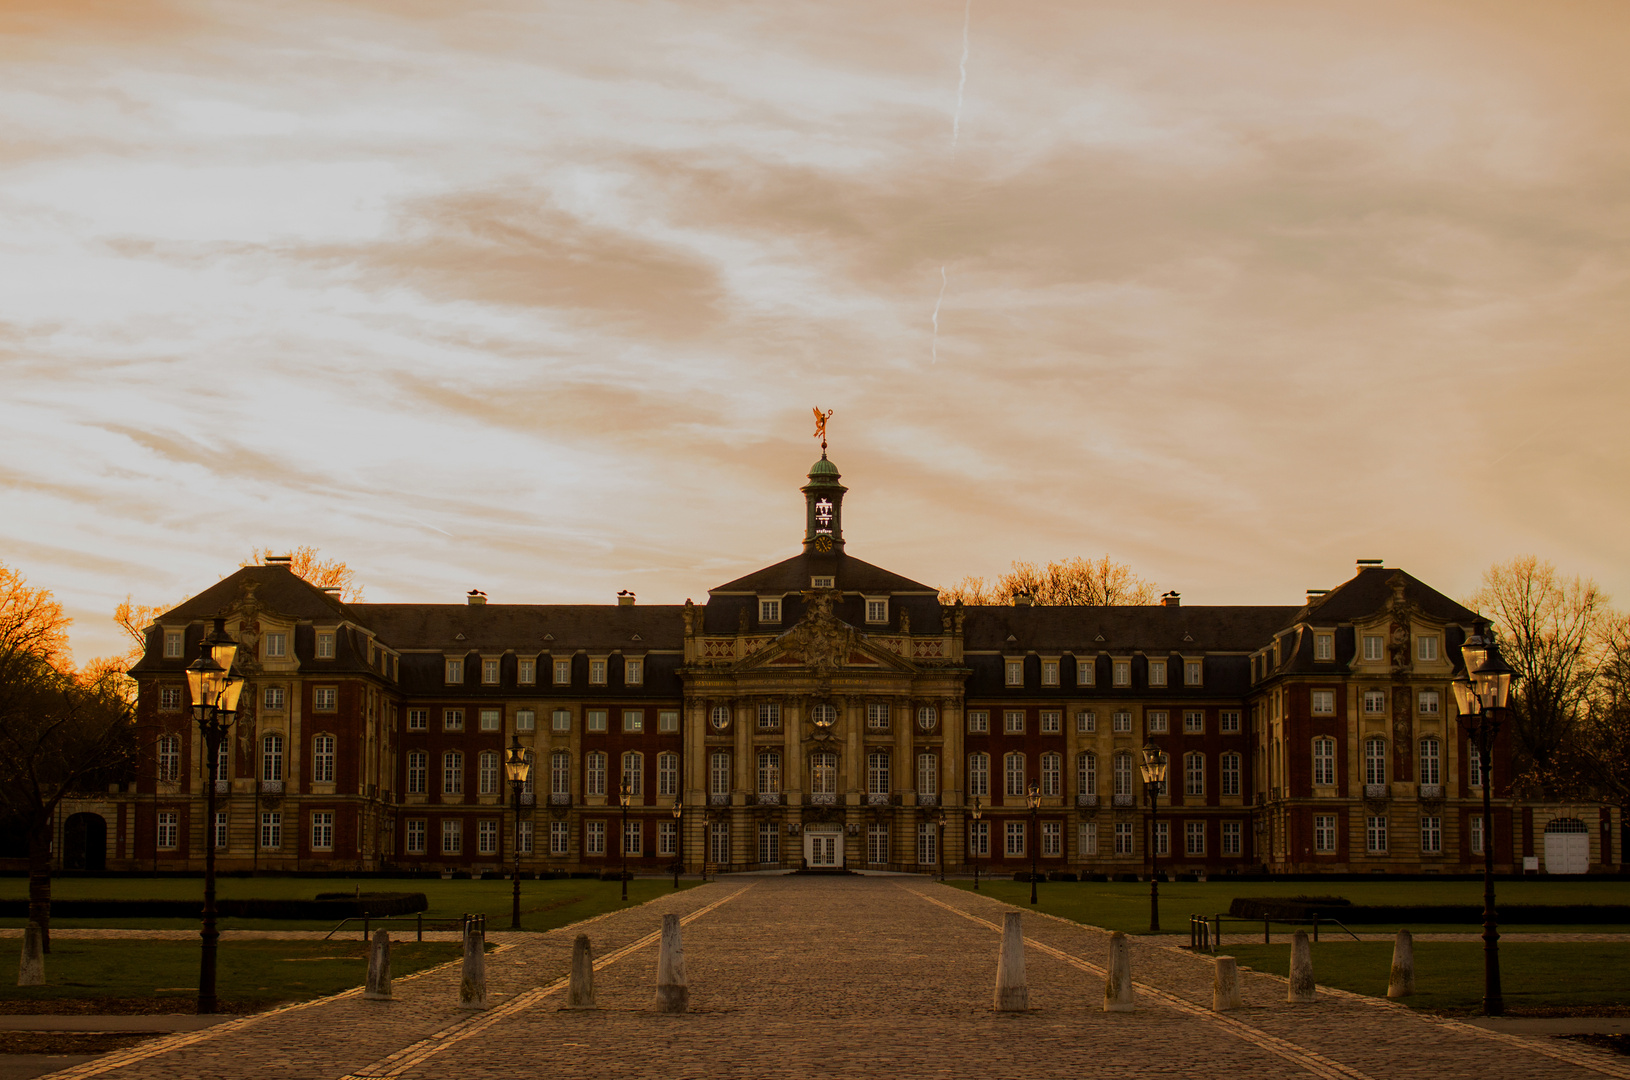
823	509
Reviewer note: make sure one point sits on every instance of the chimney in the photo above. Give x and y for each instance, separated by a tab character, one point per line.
1024	599
1171	599
625	598
285	561
1365	564
476	597
332	590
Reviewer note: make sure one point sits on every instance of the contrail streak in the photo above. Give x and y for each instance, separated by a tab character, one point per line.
962	81
935	344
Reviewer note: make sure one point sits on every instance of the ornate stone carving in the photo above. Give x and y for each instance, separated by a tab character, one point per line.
820	639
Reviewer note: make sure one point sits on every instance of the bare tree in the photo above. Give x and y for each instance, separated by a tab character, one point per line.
1073	582
323	573
1600	752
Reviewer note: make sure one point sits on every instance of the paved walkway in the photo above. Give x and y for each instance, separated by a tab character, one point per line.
843	977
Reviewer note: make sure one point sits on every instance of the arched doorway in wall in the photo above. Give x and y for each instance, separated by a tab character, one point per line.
85	843
1567	846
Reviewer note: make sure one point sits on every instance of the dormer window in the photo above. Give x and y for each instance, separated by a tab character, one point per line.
455	672
1373	647
1426	648
489	672
819	582
1324	646
1015	672
877	611
769	610
325	645
1193	673
172	644
275	646
1157	673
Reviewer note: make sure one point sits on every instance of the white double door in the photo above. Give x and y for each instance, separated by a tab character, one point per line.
823	849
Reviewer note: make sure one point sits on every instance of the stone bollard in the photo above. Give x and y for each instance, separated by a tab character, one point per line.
1402	982
673	991
31	968
1012	995
1118	982
1301	990
1225	993
472	988
379	967
580	991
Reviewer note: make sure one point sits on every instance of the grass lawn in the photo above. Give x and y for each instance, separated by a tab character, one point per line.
248	970
544	904
1449	975
1125	905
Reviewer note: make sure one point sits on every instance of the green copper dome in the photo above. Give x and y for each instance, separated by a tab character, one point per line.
823	470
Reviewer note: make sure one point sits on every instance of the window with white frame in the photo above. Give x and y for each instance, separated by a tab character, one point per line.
1123	773
452	773
1475	827
1013	770
877	611
322	830
1124	842
222	831
979	839
1086	722
1431	834
453	672
1157	673
769	843
274	646
979	774
1430	702
633	838
1375	835
563	672
452	719
1123	673
877	844
718	836
271	757
560	837
523	837
1052	839
1163	837
560	720
1157	721
1194	774
1375	702
1049	673
487	772
452	836
1193	672
324	699
597	671
668	720
1375	761
271	830
823	773
927	717
667	774
1324	761
1374	647
1014	671
594	773
1052	722
769	715
525	720
978	722
928	775
594	838
1228	721
272	699
169	830
1324	703
1233	837
1013	721
719	773
169	757
769	609
322	759
1426	647
1430	762
594	720
1194	838
877	716
1474	767
633	773
769	772
491	719
634	720
415	838
169	699
1086	839
1122	723
1229	765
418	719
1014	831
928	852
489	672
418	769
560	772
667	837
877	773
822	581
1324	646
1086	671
526	671
1324	834
172	644
633	671
1052	774
1194	722
1086	772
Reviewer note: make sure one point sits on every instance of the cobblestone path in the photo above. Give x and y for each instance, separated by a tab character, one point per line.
843	977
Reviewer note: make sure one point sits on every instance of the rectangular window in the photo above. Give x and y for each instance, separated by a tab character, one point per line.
322	759
877	716
719	773
1013	721
1194	775
1163	838
1194	722
1324	762
1192	673
667	838
1049	673
1228	721
1230	774
1052	769
1474	767
221	830
169	699
769	715
928	771
594	838
718	833
523	838
1123	673
169	757
822	581
526	671
454	673
597	671
1324	834
1086	722
1122	723
452	719
769	611
1157	721
1014	835
525	720
1431	834
322	830
415	836
271	830
172	644
877	773
769	843
1123	838
1086	671
169	830
927	843
1052	722
560	773
452	836
979	774
1375	835
668	720
1052	839
1374	647
273	698
560	720
1086	773
1375	761
979	839
1426	648
487	772
1194	838
1430	773
877	844
417	772
324	699
1013	769
1429	703
877	611
1232	838
978	722
1324	703
492	720
418	719
1476	825
769	772
594	775
1087	839
1157	673
1375	701
275	646
667	774
452	773
1015	672
560	837
563	672
325	647
634	720
596	720
633	671
1324	646
489	672
633	838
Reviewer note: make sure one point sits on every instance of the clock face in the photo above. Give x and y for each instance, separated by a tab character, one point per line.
823	544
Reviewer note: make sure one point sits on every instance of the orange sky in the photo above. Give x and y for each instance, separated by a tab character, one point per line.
536	298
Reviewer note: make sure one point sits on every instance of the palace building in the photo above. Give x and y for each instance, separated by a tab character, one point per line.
825	712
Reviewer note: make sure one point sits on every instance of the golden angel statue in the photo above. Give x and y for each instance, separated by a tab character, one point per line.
820	426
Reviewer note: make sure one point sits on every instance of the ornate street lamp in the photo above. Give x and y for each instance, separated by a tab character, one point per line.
1033	797
679	837
973	853
625	795
1154	775
1481	694
215	693
518	767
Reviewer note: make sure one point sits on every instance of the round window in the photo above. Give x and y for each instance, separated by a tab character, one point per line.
721	717
926	717
824	715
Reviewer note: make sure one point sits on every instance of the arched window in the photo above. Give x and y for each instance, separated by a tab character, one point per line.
1123	773
928	775
877	773
1375	761
1194	774
633	773
1086	773
823	773
322	759
1324	761
1013	771
1052	774
1431	773
271	757
560	773
979	774
1230	763
769	772
594	773
452	773
169	757
719	774
487	772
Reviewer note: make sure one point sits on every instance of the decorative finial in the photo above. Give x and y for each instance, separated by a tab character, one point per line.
820	427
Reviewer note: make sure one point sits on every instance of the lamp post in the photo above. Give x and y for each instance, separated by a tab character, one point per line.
1481	694
679	837
215	693
973	851
518	767
1033	797
625	795
1154	775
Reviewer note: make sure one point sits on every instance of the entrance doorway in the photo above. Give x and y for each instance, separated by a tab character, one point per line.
1567	846
823	847
85	843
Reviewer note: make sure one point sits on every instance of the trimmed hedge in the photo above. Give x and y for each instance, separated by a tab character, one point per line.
1302	909
326	907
